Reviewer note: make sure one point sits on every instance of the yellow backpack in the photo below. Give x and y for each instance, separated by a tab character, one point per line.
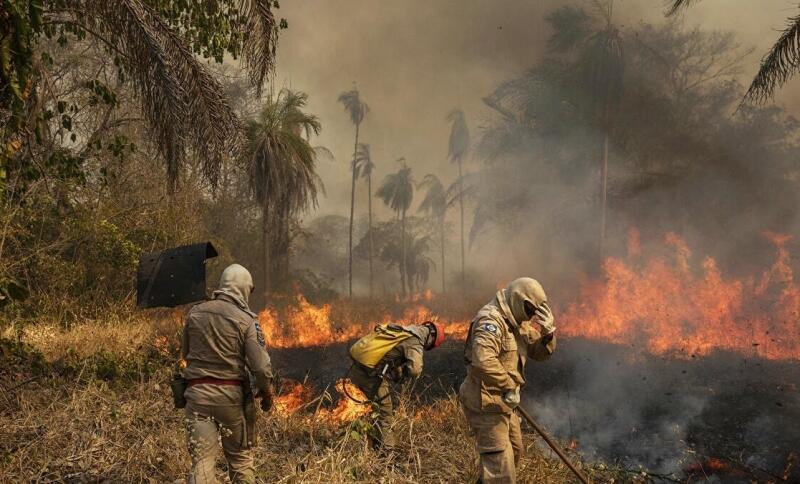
371	348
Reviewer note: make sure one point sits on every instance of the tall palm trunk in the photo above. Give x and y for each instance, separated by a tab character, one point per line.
352	209
265	247
604	195
441	242
403	267
369	211
461	204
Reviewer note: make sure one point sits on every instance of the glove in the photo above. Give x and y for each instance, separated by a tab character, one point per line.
511	398
544	316
396	374
266	401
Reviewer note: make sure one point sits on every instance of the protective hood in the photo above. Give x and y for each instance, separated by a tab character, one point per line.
235	285
420	331
512	299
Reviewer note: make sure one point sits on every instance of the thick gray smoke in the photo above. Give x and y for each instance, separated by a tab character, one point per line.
680	161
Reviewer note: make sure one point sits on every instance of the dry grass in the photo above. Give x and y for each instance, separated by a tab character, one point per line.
81	428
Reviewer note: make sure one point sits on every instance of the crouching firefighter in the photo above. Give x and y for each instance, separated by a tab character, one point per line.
391	353
517	324
226	365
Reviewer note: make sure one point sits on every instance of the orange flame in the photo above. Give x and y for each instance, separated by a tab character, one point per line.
304	325
292	399
665	307
346	410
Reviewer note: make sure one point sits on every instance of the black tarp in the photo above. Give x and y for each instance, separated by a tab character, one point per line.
174	276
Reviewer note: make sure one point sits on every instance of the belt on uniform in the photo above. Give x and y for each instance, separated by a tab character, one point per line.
213	381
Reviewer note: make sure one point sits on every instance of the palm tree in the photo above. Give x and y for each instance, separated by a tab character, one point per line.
457	150
418	264
779	65
357	109
603	61
363	168
183	105
435	204
601	66
397	192
283	178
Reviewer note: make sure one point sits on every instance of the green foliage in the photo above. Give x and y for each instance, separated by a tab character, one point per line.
212	29
281	163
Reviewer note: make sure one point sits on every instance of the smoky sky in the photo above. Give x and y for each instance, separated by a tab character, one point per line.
413	61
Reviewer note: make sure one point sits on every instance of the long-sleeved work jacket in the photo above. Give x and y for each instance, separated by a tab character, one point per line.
223	341
495	353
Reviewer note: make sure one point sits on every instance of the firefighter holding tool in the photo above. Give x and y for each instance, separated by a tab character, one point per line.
390	353
516	325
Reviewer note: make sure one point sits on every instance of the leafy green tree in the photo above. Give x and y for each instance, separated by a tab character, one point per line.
283	177
154	44
357	109
435	204
363	168
458	147
397	192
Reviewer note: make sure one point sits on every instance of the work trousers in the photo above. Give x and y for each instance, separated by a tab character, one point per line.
379	391
206	425
498	439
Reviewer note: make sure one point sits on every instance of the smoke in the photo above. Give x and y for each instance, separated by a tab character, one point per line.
664	414
635	413
717	179
415	61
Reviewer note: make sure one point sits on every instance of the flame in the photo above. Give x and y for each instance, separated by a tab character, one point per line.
662	305
347	410
297	395
573	444
293	397
305	325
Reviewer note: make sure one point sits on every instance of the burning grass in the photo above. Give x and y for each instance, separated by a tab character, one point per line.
85	429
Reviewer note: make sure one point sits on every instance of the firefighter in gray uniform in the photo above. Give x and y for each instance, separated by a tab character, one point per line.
226	365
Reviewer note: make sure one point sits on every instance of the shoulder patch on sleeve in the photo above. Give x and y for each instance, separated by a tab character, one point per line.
489	328
260	334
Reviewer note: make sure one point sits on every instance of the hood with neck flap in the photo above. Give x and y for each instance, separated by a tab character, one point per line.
236	284
512	299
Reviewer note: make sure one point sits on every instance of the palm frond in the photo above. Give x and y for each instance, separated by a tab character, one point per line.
356	108
281	161
435	200
676	5
459	135
397	190
571	27
779	65
261	41
182	102
363	162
